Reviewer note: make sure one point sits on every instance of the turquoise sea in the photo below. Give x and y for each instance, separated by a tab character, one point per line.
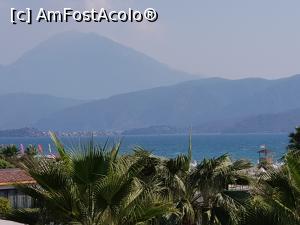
204	146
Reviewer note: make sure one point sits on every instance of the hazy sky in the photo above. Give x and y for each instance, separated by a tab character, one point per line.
230	38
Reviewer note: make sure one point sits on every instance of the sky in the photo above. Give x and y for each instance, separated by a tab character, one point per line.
231	39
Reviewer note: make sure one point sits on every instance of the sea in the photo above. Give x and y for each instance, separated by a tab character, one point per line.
238	146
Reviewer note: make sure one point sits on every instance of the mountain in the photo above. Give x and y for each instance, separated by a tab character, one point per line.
278	122
209	105
85	66
20	110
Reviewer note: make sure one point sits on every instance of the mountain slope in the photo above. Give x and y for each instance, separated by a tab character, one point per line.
279	122
20	110
208	104
85	66
282	95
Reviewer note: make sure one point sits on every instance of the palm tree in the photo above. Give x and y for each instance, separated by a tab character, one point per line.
295	140
200	194
276	196
216	204
95	186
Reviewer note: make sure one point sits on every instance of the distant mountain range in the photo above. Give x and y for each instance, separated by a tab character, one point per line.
85	66
209	105
278	122
125	90
20	110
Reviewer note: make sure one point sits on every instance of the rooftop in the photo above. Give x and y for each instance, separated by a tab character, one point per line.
14	176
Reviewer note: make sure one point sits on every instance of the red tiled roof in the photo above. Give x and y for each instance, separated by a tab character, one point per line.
14	176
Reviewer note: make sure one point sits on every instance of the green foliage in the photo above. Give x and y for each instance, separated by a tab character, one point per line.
276	195
8	151
31	150
27	216
200	194
5	207
293	167
210	180
295	140
5	165
94	185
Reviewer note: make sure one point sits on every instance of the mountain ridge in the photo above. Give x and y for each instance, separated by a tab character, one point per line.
21	110
86	66
267	123
209	103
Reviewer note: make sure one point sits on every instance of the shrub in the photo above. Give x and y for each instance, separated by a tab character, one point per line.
9	151
5	165
31	150
28	216
295	140
5	207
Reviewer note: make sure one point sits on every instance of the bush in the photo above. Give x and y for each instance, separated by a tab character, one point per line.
5	165
5	207
26	216
9	151
31	150
295	140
